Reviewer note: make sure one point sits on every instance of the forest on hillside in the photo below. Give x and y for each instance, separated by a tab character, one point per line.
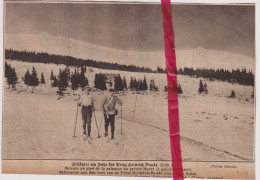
242	76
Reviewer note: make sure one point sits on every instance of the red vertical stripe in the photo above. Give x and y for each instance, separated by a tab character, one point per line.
173	112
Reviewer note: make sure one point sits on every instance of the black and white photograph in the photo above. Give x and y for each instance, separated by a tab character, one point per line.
87	81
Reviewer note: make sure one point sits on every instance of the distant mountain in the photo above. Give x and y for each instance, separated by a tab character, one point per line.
196	58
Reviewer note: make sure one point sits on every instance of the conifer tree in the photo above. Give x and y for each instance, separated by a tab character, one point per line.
74	82
179	89
62	83
152	86
100	81
55	82
144	83
132	83
42	79
27	78
124	83
12	77
83	81
8	69
118	86
206	88
52	76
34	80
233	94
201	87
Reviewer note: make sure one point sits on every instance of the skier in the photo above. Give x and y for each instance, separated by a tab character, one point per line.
110	111
87	107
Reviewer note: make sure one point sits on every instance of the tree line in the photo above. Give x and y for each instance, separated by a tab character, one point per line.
235	76
11	76
46	58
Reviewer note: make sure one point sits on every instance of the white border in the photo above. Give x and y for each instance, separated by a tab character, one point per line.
65	177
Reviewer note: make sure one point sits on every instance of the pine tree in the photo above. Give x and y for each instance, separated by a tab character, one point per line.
144	83
42	79
74	82
62	82
12	78
132	83
124	83
52	76
100	81
61	90
179	89
68	72
140	85
206	88
27	78
118	86
201	87
152	86
8	69
55	82
83	81
34	80
233	94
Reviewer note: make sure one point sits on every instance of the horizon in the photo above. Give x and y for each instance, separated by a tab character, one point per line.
146	67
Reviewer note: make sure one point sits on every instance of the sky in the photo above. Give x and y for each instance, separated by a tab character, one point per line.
138	27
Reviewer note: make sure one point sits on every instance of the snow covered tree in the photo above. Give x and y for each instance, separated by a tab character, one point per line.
42	79
100	81
55	82
131	83
206	88
233	94
12	77
52	76
83	81
8	69
124	83
201	87
179	89
27	78
144	84
62	82
61	90
34	80
152	86
74	82
118	86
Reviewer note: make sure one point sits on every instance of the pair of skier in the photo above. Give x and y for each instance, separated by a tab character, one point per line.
109	106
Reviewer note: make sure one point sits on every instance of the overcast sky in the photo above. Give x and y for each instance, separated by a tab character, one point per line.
138	26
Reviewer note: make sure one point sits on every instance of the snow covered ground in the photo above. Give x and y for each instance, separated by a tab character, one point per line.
213	127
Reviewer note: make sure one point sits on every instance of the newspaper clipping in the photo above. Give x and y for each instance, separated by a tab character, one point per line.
85	89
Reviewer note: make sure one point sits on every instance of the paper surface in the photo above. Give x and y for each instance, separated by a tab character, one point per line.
216	125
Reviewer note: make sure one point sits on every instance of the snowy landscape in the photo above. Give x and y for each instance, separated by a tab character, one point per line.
213	126
54	50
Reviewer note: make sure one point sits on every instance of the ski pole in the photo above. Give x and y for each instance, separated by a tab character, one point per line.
96	124
121	122
76	120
